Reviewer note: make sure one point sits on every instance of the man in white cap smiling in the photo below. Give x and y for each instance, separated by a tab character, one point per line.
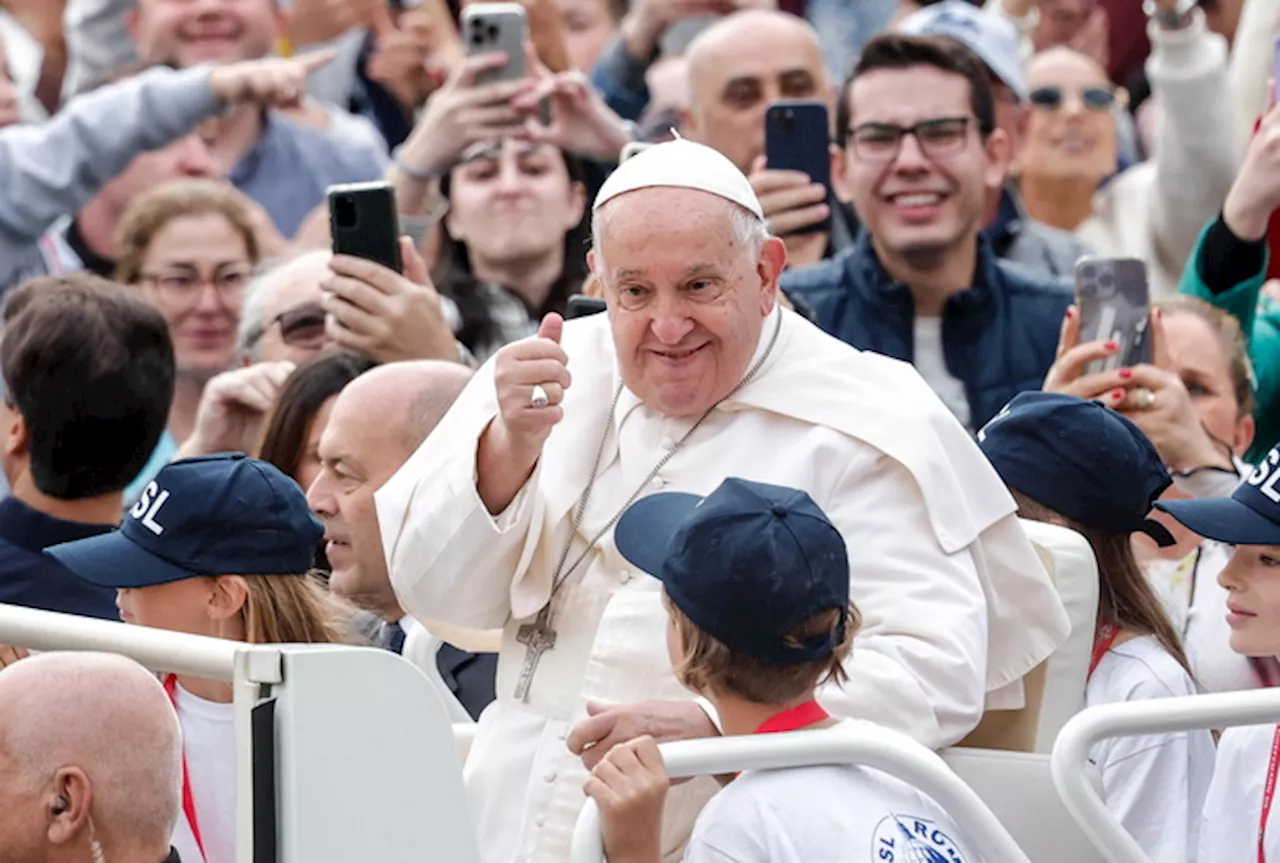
504	516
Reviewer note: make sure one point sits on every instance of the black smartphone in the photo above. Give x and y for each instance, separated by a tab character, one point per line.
797	137
580	306
364	223
1114	305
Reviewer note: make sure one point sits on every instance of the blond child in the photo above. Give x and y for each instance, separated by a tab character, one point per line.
757	590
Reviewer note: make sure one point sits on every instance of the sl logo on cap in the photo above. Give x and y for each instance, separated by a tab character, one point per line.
908	839
1265	476
148	507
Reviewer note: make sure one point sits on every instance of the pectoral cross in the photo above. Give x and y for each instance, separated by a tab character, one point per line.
537	637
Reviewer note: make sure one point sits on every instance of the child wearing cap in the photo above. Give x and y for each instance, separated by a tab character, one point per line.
1081	465
1239	824
756	580
220	546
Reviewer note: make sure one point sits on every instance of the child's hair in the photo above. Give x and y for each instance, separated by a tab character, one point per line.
293	609
1125	597
708	666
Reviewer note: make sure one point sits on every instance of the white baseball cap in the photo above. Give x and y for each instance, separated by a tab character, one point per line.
990	36
681	164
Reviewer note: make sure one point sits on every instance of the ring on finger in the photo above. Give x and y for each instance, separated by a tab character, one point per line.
538	398
1144	398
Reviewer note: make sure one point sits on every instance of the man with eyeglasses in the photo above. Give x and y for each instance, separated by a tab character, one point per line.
919	156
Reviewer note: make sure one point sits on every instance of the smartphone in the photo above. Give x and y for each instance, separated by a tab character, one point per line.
1114	305
490	27
364	223
797	138
580	306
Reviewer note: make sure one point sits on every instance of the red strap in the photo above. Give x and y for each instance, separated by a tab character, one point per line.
188	799
1106	639
797	717
1268	794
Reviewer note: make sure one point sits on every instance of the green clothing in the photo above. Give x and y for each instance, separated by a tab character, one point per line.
1259	319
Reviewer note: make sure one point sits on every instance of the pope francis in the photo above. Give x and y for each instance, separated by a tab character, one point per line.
504	517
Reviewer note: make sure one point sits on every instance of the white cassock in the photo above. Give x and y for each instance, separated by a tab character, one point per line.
955	602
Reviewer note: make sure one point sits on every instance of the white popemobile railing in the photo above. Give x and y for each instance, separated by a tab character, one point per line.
342	753
869	745
1158	715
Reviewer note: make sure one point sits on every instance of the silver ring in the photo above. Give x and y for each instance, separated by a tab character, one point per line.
538	398
1146	398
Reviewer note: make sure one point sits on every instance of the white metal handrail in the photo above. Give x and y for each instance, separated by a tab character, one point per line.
863	744
1153	716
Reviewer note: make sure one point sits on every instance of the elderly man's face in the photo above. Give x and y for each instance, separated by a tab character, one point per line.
359	451
920	195
687	296
734	80
189	32
290	312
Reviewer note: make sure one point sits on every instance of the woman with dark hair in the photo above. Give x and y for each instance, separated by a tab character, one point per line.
293	432
514	240
1083	466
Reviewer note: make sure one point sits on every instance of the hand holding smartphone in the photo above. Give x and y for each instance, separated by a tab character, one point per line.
796	138
1114	305
488	27
364	223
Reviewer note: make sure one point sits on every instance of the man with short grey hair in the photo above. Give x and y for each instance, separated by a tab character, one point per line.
90	761
282	317
504	516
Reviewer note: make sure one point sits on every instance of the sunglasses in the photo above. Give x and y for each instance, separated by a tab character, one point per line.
302	326
1052	97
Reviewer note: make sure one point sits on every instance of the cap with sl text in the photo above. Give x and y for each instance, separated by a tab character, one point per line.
993	38
1080	459
1251	516
224	514
747	564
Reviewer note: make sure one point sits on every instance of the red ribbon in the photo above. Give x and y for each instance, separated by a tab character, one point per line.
188	799
1106	639
1268	794
797	717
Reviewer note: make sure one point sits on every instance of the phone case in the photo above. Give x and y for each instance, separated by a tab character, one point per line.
364	223
496	27
796	138
1114	305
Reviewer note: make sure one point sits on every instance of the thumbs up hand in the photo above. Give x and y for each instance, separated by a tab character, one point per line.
530	377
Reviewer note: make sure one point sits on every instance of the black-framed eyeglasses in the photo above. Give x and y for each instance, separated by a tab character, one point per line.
938	138
1052	97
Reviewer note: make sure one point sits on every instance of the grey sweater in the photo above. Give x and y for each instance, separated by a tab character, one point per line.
50	170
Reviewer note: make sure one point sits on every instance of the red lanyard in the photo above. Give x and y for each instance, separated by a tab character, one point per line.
797	717
1268	794
1107	635
188	799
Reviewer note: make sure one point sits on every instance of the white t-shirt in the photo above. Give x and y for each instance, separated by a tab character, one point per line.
931	362
1155	784
209	744
1233	808
829	814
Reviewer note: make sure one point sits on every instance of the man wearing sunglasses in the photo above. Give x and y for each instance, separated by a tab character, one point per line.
920	156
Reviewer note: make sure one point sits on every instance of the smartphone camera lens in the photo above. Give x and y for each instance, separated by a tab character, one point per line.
492	32
788	120
477	31
344	211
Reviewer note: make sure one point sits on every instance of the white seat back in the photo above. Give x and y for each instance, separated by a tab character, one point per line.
420	649
1069	560
1018	788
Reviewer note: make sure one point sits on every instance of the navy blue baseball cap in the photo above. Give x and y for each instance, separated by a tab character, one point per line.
1079	458
224	514
1251	516
747	564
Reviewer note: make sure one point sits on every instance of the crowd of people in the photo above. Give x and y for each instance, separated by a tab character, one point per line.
782	481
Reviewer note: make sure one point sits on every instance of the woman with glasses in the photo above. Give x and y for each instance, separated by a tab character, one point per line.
1153	211
190	247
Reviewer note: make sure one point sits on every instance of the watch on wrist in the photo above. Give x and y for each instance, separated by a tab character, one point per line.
1170	19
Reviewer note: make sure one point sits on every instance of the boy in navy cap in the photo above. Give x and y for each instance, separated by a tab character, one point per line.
1239	822
757	591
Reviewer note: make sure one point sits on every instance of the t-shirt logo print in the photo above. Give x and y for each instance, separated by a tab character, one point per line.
148	507
908	839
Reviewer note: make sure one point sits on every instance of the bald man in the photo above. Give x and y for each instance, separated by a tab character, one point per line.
736	68
90	761
375	425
